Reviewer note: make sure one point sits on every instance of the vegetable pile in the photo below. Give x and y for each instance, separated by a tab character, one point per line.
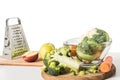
59	62
65	61
92	44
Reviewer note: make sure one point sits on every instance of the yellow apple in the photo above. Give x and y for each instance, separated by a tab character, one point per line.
45	48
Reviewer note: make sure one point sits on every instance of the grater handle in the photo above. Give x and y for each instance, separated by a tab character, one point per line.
14	18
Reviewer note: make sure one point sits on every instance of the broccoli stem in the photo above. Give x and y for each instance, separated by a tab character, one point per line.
68	62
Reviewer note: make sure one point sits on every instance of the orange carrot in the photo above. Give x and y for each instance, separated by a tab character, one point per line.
73	50
106	65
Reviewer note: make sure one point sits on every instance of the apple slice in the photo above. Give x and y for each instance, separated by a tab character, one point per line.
30	56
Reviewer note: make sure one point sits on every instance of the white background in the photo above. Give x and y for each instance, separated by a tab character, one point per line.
58	20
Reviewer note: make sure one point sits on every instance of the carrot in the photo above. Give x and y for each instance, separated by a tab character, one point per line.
73	50
106	65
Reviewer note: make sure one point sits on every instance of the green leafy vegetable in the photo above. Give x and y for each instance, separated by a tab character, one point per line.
92	44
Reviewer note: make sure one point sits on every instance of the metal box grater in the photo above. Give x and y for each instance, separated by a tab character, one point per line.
15	43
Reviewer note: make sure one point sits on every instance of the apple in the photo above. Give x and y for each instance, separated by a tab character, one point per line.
45	48
30	56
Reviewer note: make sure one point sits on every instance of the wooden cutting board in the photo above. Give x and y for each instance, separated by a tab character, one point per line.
96	76
19	62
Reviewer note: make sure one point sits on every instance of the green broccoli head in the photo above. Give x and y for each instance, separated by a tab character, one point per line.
98	35
53	68
88	49
48	57
89	46
64	50
51	65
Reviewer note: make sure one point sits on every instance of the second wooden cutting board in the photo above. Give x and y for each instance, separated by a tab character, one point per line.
20	62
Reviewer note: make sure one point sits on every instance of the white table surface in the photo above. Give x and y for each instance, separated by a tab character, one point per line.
34	73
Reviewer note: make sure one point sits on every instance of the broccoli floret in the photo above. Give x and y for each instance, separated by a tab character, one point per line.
65	51
51	65
53	69
48	57
89	46
95	46
46	60
98	35
57	69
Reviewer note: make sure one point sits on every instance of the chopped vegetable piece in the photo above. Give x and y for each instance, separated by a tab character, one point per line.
82	73
106	65
73	50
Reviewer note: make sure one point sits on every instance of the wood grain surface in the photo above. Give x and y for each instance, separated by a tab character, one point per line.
96	76
19	62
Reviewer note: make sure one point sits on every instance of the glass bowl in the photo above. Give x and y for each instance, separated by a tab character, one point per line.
75	41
